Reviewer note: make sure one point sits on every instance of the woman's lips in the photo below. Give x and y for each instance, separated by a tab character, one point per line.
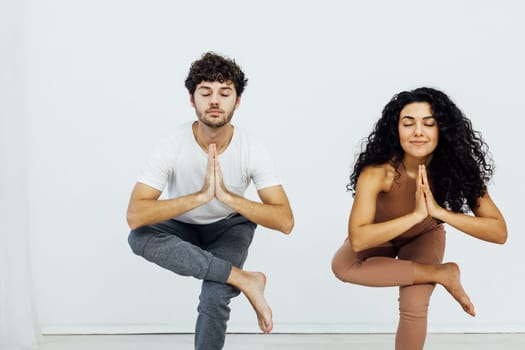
418	143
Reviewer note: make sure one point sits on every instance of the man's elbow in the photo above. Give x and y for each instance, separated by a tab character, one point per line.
287	226
133	221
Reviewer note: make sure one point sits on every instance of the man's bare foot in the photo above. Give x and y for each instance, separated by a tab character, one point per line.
254	290
452	284
252	284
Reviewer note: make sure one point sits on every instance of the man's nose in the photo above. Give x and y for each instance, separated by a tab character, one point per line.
214	98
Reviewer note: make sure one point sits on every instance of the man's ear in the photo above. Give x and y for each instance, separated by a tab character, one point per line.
238	102
192	101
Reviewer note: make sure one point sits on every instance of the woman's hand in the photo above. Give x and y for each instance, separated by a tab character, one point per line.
487	223
420	209
433	208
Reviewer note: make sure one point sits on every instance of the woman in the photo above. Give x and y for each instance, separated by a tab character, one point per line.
423	165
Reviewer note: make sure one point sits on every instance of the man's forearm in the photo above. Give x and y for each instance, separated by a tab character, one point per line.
151	211
274	216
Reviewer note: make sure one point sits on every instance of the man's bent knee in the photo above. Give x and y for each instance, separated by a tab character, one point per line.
137	240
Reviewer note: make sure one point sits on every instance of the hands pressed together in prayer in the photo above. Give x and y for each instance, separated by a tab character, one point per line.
213	183
425	203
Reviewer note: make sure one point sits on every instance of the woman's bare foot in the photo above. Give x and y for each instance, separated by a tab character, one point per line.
452	284
252	284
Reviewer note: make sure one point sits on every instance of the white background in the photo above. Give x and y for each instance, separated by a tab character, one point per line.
104	79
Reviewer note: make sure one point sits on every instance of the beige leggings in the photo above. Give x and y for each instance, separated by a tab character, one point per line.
378	267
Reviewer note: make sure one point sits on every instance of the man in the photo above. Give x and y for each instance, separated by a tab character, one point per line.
205	226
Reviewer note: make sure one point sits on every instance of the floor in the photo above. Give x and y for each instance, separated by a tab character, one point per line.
282	342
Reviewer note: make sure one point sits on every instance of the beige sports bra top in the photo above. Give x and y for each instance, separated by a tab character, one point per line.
399	201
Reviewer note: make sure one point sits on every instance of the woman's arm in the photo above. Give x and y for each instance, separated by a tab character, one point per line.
363	233
487	223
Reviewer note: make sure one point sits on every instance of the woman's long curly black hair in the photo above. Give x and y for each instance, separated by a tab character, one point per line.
461	164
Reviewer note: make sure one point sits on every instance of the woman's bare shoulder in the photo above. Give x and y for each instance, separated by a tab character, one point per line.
382	175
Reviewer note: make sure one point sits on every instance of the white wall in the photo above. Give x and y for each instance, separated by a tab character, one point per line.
16	303
104	80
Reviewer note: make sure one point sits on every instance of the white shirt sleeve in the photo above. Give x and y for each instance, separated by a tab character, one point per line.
157	170
262	169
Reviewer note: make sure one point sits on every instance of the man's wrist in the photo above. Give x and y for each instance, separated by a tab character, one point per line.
202	198
226	197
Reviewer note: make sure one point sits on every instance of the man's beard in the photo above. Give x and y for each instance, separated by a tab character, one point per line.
215	123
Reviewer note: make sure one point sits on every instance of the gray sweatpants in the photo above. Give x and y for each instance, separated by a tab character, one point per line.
206	252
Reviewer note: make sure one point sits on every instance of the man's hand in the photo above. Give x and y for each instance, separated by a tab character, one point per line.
213	183
274	212
221	192
208	189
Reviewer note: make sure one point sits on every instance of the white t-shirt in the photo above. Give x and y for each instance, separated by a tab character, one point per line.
178	164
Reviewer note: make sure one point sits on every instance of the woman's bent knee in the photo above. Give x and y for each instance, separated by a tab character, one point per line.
341	270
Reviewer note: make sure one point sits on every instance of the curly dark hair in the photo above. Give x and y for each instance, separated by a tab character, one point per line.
213	67
461	164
